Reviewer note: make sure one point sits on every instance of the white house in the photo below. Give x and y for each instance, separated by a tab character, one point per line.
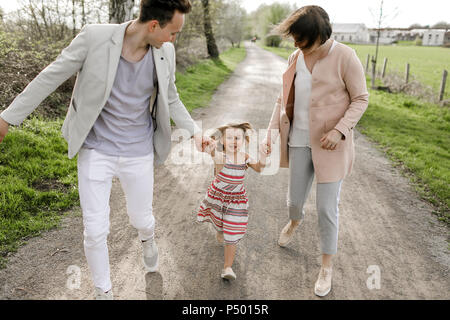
350	32
436	37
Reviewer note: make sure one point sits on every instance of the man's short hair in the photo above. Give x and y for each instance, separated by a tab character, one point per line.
162	10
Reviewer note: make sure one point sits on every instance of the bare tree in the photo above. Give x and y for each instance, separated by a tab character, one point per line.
381	20
213	51
120	10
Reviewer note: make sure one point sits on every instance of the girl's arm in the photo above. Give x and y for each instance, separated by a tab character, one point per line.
258	166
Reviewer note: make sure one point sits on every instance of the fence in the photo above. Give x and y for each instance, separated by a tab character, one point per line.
406	77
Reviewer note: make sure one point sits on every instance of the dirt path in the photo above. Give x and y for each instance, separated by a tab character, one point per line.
382	223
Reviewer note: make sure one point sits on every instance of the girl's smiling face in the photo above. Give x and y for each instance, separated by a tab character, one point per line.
233	139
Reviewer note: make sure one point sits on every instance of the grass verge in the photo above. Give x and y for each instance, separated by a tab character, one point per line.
198	83
415	136
38	183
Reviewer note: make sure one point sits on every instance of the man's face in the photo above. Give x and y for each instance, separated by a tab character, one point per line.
169	32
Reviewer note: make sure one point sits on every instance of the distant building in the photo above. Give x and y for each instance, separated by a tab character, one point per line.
392	35
350	32
436	37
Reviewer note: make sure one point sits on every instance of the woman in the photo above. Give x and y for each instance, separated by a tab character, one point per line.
324	96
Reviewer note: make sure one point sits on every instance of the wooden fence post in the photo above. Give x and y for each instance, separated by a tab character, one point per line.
374	66
384	67
367	63
442	90
407	73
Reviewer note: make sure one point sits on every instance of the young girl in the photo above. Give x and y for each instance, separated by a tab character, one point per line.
226	203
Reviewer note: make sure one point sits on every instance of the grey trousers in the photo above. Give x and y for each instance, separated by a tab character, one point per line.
301	176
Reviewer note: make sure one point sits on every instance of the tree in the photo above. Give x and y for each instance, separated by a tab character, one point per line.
416	26
121	10
381	21
213	51
2	14
441	25
232	22
265	18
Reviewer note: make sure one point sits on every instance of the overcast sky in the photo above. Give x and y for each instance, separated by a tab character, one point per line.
355	11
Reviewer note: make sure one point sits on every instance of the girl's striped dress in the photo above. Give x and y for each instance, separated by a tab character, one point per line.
226	203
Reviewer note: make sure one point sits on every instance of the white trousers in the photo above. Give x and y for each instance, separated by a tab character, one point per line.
95	174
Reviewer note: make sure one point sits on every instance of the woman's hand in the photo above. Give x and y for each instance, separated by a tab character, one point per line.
265	147
330	140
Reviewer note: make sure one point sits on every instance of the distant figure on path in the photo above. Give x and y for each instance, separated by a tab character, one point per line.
324	95
118	120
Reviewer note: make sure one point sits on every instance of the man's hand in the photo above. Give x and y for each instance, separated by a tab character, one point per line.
203	143
331	140
3	129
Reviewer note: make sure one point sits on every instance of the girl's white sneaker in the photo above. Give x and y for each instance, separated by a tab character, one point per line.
228	274
323	283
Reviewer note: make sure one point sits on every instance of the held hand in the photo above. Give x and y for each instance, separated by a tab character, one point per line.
209	148
265	148
202	142
330	140
3	129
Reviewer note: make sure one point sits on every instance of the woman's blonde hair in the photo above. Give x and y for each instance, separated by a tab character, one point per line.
220	131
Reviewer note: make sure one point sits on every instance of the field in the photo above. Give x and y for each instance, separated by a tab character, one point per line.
415	136
426	63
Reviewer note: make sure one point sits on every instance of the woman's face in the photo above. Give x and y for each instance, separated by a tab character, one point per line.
302	44
233	139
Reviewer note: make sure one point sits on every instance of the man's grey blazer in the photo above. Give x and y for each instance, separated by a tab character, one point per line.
94	54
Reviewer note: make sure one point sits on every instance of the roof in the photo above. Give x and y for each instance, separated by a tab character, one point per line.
348	27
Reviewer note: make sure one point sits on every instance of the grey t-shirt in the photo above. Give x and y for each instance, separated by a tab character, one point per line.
124	127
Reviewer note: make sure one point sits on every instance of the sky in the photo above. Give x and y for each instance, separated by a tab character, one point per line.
355	11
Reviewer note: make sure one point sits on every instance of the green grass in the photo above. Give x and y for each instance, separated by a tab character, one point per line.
198	83
426	63
38	183
415	136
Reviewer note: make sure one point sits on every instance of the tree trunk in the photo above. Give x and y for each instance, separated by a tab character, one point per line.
213	51
83	13
74	20
120	10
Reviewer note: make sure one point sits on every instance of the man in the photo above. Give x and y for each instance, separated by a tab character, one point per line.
118	120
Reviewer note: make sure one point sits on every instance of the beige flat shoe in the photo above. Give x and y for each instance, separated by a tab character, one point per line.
323	283
286	235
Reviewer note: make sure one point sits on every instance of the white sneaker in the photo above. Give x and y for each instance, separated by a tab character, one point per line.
287	234
101	295
150	255
323	283
228	274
